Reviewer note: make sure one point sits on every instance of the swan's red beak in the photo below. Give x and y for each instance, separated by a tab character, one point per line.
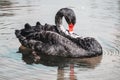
71	26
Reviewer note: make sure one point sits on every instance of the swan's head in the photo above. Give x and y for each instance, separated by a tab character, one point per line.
69	16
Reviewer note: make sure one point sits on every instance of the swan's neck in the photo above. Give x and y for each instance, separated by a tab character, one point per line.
62	28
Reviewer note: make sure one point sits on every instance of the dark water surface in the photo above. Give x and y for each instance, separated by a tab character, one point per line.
95	18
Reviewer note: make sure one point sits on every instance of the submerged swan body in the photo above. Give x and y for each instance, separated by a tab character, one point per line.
52	40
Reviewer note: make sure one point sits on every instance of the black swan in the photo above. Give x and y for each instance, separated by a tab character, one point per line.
53	40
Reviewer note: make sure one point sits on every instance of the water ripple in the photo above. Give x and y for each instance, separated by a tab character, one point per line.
111	52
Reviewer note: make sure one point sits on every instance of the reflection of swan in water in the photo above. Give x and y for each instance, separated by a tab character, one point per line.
62	63
55	42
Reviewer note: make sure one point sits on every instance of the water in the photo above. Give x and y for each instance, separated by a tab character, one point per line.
96	18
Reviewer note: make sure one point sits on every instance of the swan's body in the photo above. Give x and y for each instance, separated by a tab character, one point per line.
52	40
51	43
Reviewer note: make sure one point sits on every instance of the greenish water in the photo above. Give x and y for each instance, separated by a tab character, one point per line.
96	18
